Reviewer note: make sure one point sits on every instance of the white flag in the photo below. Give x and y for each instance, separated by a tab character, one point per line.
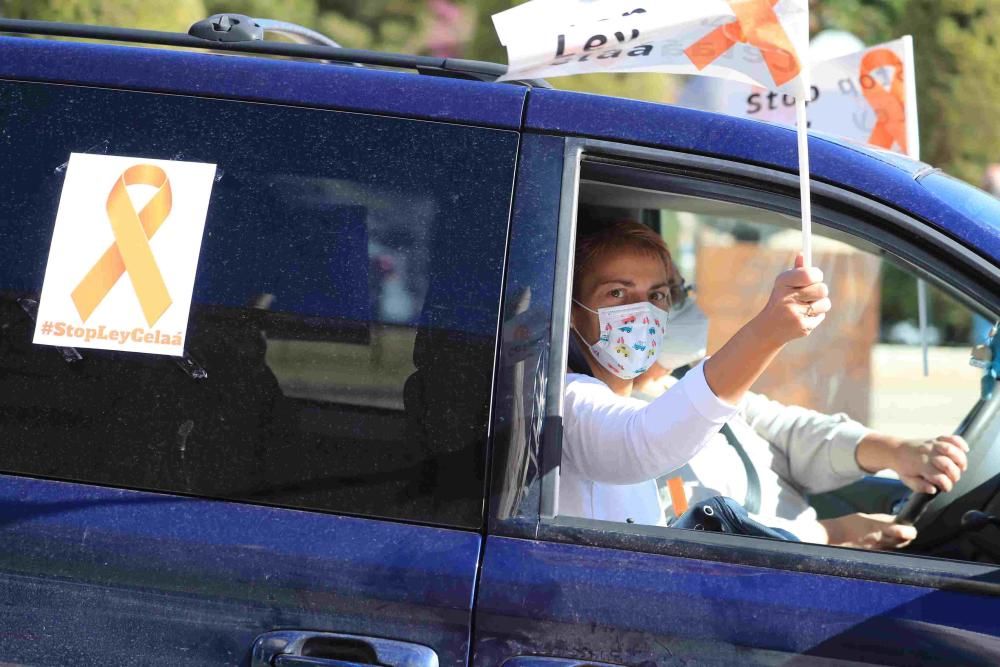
753	41
868	96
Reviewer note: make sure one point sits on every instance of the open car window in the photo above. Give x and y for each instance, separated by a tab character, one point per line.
863	366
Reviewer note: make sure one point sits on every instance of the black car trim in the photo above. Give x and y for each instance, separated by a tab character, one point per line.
894	568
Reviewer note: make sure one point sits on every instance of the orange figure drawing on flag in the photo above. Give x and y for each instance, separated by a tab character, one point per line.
130	251
756	24
889	103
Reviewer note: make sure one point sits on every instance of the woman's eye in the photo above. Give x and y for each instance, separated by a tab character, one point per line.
617	293
657	297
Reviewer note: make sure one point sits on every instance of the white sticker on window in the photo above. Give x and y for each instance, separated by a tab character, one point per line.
124	253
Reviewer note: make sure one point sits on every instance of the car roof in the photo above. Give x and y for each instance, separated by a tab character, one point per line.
242	77
891	179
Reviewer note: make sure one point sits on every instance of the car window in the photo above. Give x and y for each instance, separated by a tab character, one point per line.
342	332
866	359
790	455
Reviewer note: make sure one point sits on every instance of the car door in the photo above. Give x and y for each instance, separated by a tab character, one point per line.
559	590
307	479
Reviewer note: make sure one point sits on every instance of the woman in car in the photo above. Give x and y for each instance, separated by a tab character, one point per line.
615	446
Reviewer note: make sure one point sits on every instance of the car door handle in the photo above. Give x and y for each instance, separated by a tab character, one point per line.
301	648
302	661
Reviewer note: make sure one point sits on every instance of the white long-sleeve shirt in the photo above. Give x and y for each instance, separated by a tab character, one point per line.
795	452
614	447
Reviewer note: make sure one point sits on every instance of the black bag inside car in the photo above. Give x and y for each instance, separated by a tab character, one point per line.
719	514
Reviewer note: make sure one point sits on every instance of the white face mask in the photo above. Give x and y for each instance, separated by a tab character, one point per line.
630	337
686	339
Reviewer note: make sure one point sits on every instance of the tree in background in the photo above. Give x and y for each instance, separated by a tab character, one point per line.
958	90
958	70
958	82
872	21
150	14
442	27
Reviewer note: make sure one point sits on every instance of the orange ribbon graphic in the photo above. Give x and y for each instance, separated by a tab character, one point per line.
130	251
889	104
756	24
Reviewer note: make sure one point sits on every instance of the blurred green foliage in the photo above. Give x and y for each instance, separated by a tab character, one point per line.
957	44
150	14
957	52
873	21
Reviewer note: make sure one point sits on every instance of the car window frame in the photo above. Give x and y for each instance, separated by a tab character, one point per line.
939	258
483	443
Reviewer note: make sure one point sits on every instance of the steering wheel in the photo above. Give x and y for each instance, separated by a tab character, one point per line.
917	502
914	507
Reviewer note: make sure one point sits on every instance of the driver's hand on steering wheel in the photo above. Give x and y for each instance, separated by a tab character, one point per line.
931	465
925	465
868	531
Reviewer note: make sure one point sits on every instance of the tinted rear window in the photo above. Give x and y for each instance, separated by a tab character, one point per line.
344	310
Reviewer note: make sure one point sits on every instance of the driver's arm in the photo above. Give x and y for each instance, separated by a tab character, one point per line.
825	452
925	465
812	450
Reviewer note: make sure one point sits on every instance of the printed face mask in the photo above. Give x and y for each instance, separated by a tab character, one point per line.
630	337
686	338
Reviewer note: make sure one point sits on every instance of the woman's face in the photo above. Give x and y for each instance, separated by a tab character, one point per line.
618	278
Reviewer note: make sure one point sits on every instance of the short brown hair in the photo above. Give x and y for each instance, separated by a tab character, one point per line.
621	235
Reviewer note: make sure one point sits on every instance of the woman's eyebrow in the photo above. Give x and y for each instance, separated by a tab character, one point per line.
616	281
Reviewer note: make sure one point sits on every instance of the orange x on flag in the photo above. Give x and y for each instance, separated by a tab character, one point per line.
756	24
753	41
130	251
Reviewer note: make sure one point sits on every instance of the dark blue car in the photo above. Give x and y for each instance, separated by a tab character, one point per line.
356	461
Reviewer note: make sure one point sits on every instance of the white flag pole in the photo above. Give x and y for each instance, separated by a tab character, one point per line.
802	130
913	150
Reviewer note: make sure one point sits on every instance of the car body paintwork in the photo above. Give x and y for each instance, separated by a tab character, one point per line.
262	80
95	576
632	608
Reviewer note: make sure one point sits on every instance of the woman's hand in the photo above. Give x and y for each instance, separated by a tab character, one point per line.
799	302
925	465
797	305
868	531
